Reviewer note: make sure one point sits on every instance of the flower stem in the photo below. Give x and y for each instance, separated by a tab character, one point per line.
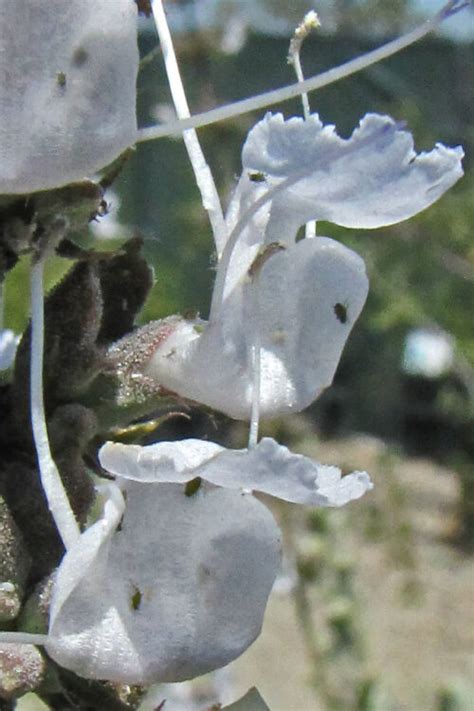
55	493
202	172
316	82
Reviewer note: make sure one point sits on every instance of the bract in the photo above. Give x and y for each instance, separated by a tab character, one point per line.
67	94
269	467
179	589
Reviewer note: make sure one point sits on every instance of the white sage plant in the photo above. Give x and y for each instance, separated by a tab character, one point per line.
172	579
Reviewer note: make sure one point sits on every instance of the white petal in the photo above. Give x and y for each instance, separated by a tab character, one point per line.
67	93
371	179
171	462
269	468
275	470
294	310
180	590
82	558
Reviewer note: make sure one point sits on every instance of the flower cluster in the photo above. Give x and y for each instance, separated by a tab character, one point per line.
196	554
173	579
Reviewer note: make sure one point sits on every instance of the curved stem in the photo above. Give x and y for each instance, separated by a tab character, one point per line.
316	82
55	493
202	172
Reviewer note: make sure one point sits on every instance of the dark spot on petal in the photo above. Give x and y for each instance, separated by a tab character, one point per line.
341	312
80	57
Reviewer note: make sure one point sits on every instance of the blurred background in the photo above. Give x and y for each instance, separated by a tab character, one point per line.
374	609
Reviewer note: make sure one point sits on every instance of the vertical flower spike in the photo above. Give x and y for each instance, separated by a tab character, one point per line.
179	590
67	93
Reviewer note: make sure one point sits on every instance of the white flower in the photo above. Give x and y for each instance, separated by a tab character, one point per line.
67	93
296	301
177	590
180	586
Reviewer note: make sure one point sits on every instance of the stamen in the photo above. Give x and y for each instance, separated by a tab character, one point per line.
55	493
310	22
202	172
316	82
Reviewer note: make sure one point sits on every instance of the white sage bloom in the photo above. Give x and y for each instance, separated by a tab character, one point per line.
296	301
67	93
178	589
169	586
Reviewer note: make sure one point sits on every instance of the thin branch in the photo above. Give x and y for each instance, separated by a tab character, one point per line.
316	82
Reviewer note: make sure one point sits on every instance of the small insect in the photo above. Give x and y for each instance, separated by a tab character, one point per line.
136	599
341	312
61	79
257	177
193	486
